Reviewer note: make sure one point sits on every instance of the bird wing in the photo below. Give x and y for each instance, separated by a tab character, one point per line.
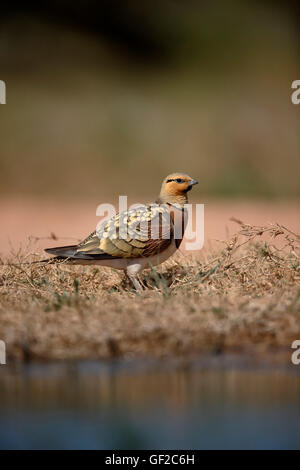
140	232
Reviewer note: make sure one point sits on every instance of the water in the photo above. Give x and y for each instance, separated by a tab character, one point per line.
204	404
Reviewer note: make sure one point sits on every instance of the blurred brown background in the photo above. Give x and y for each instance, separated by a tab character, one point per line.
108	97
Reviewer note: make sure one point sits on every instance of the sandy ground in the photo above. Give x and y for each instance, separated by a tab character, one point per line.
243	297
24	218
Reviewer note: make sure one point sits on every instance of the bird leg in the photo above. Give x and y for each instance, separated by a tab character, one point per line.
131	273
136	283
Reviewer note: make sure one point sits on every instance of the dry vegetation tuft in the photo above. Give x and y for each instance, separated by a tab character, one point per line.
243	297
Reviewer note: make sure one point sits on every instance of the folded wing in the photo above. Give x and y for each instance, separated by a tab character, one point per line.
140	232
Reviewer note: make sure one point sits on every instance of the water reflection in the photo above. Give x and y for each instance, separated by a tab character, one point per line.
146	405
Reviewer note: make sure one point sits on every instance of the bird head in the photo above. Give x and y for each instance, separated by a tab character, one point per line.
175	187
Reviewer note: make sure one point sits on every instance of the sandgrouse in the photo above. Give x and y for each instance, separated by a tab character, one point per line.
144	236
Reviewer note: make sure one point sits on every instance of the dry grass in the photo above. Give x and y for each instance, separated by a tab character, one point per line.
244	297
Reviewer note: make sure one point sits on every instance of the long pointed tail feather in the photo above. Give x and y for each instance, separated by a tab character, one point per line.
62	251
71	253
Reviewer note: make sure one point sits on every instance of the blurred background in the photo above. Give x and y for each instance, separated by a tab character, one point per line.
108	97
208	403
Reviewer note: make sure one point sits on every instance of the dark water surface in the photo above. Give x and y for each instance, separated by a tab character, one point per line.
204	404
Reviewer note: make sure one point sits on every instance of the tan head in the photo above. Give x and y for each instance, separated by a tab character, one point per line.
175	187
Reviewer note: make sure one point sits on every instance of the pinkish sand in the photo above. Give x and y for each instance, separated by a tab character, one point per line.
71	222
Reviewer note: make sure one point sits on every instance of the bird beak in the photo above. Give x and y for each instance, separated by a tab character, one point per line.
192	182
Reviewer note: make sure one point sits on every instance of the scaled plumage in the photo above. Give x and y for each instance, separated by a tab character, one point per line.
138	238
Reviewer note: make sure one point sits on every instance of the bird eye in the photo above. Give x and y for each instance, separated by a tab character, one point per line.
179	180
